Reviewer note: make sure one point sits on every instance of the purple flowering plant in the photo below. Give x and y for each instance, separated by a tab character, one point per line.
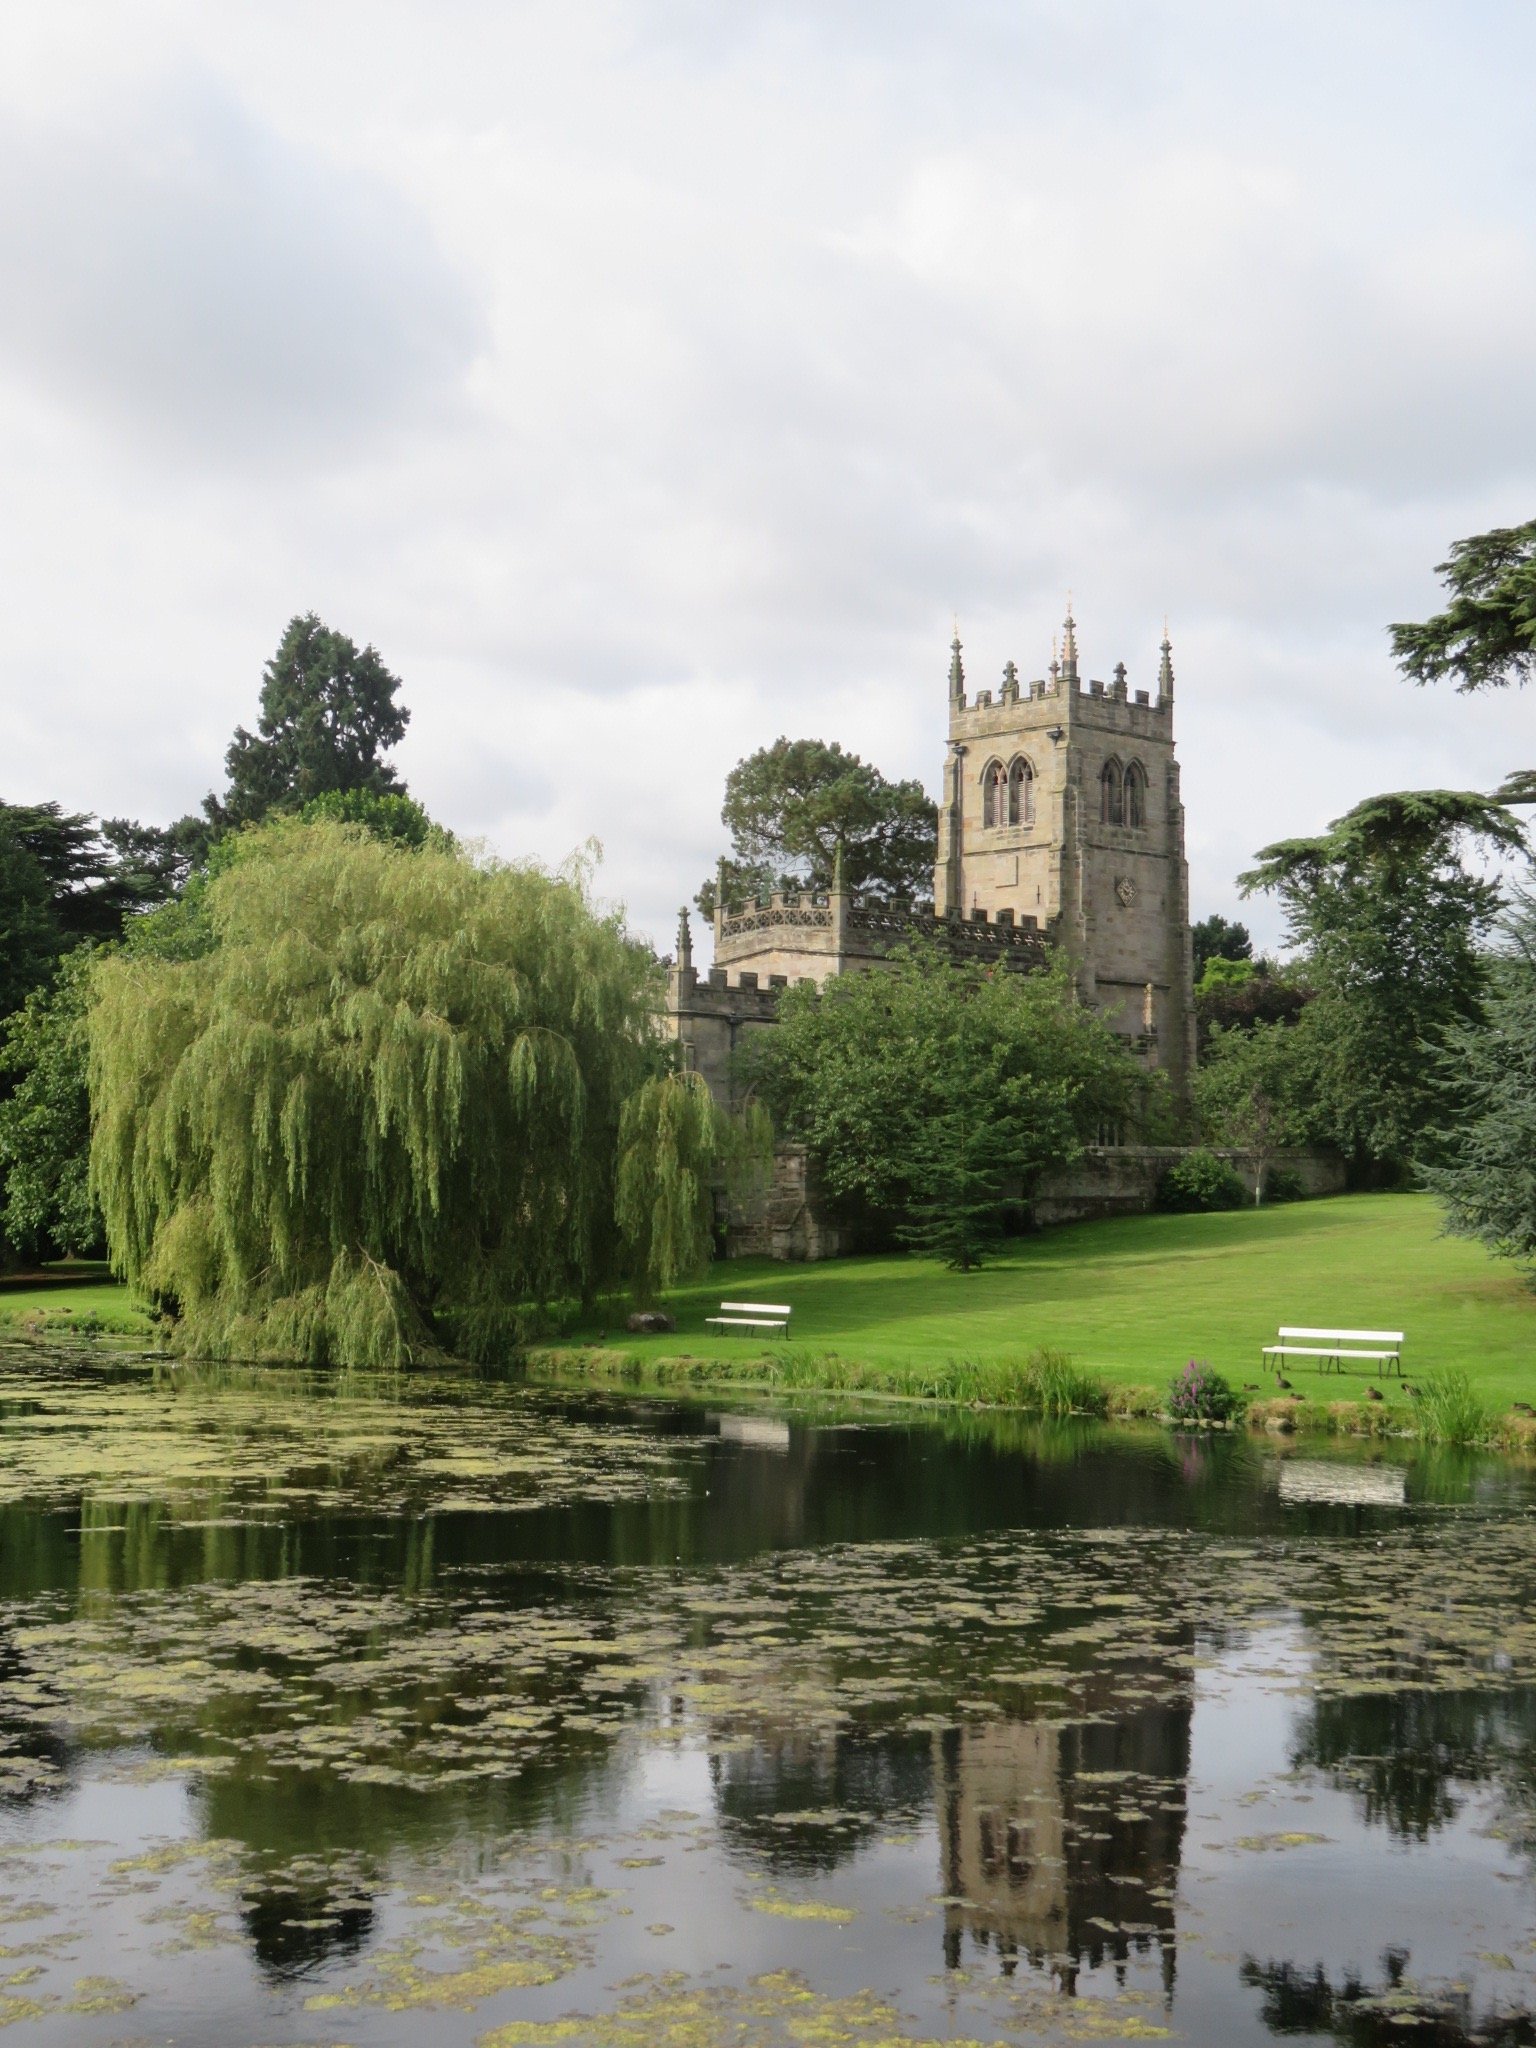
1200	1395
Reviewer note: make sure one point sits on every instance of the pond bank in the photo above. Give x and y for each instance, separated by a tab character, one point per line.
1045	1384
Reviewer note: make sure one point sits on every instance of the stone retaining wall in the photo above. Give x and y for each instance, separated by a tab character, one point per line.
1121	1180
786	1216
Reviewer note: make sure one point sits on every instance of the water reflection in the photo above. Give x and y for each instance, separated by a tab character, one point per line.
943	1678
1368	2014
1062	1845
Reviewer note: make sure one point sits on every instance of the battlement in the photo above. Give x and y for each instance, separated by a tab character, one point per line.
1022	707
835	932
751	996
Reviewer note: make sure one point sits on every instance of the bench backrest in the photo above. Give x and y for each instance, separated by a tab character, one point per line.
1348	1336
754	1308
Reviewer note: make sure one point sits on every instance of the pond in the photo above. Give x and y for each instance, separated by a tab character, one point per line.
364	1713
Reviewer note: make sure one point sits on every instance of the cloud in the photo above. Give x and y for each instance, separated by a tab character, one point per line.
174	264
652	377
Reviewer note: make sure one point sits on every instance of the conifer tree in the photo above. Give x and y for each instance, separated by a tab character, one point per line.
329	715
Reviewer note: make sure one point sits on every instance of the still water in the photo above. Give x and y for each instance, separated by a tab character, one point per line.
465	1714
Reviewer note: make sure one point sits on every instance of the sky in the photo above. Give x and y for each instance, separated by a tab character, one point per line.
649	378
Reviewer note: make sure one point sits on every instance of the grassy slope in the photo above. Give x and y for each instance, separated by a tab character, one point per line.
1135	1298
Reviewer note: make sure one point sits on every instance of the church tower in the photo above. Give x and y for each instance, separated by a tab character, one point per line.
1061	808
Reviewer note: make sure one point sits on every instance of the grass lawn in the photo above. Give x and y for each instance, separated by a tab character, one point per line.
68	1295
1133	1300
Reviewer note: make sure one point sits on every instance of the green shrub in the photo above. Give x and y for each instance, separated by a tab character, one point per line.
1200	1395
1449	1410
1281	1185
1200	1181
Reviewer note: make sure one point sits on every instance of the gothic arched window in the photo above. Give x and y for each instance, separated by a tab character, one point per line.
1021	793
1111	795
1136	796
994	783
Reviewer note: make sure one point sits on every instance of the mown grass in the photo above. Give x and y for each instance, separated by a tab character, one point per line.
62	1305
1130	1302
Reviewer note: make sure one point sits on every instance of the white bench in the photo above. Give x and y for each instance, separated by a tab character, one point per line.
1338	1345
750	1315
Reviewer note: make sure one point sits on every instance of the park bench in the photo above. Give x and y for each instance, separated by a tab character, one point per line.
1337	1345
750	1315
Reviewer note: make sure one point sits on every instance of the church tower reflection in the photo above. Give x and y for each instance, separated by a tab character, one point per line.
1061	1842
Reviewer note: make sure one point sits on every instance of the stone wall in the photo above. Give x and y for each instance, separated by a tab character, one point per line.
1121	1180
785	1216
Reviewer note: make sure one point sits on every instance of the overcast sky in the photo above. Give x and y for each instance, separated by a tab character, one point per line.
647	378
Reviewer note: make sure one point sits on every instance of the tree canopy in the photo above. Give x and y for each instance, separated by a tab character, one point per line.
1487	1177
1486	636
1256	1090
1391	923
382	1108
934	1094
329	715
792	806
45	1119
1219	938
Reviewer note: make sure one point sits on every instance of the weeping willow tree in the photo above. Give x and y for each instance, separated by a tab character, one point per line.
400	1102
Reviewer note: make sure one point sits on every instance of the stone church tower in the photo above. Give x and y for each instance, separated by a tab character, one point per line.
1061	809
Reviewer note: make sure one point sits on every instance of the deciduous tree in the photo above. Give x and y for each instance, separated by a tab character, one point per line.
380	1107
936	1093
1256	1091
45	1119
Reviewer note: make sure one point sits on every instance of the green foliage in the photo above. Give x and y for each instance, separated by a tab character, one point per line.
30	938
388	815
1219	938
1487	1178
1228	999
934	1093
1449	1411
1391	922
328	717
1221	973
380	1107
672	1140
1281	1185
1200	1395
1200	1181
791	806
45	1120
1486	636
1256	1091
158	860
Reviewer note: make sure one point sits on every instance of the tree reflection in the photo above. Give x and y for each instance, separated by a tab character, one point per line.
1369	2015
1410	1756
807	1802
